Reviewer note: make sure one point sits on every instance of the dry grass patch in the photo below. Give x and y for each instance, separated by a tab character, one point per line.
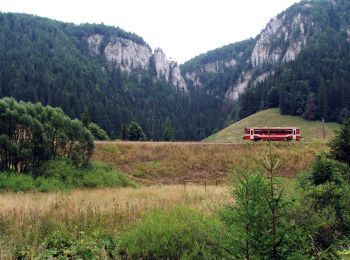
178	162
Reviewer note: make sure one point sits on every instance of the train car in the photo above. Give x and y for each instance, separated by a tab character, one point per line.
272	133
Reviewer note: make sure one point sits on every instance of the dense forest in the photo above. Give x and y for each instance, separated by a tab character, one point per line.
48	61
316	84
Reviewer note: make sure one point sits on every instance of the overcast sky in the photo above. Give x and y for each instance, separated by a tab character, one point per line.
182	28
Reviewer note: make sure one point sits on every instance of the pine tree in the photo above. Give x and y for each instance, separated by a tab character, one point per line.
168	133
310	107
135	132
340	145
322	100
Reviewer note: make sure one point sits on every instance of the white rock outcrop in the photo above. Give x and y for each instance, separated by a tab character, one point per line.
292	51
194	78
161	64
168	70
210	67
261	51
128	55
242	83
176	78
94	42
230	63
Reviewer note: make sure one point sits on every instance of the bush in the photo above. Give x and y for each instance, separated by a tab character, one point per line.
60	245
60	175
325	170
181	233
340	145
97	132
326	198
16	182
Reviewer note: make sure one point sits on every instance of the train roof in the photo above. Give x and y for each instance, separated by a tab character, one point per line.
272	127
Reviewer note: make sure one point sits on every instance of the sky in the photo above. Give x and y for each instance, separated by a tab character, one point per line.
182	28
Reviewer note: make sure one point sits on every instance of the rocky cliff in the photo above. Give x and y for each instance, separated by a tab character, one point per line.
280	42
136	57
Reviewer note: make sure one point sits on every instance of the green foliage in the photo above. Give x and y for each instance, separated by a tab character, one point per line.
61	245
181	233
325	170
315	83
168	132
326	196
97	132
51	62
340	145
60	175
135	132
32	134
247	216
259	225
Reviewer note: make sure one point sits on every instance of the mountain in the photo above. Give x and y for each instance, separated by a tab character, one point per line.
102	73
299	62
310	130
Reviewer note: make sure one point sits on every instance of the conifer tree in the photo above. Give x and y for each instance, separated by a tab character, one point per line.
168	133
135	132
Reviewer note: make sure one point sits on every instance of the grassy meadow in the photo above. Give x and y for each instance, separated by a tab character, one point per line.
153	163
28	219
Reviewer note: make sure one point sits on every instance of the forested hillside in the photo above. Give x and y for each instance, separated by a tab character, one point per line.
299	63
316	84
52	62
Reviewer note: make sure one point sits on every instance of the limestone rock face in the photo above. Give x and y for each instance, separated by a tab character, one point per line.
134	57
210	67
261	52
234	91
194	78
161	64
176	78
128	55
280	42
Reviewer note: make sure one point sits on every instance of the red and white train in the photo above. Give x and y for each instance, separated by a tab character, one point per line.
272	133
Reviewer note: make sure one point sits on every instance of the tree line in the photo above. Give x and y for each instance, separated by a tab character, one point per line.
31	134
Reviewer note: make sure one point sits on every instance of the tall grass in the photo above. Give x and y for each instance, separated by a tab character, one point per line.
27	220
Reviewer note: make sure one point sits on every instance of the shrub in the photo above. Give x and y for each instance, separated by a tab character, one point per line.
340	145
97	132
135	132
60	245
325	170
60	175
16	182
181	233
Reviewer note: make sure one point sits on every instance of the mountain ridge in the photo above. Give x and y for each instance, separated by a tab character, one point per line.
116	77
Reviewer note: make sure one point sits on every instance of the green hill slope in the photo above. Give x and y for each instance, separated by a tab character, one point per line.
310	130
